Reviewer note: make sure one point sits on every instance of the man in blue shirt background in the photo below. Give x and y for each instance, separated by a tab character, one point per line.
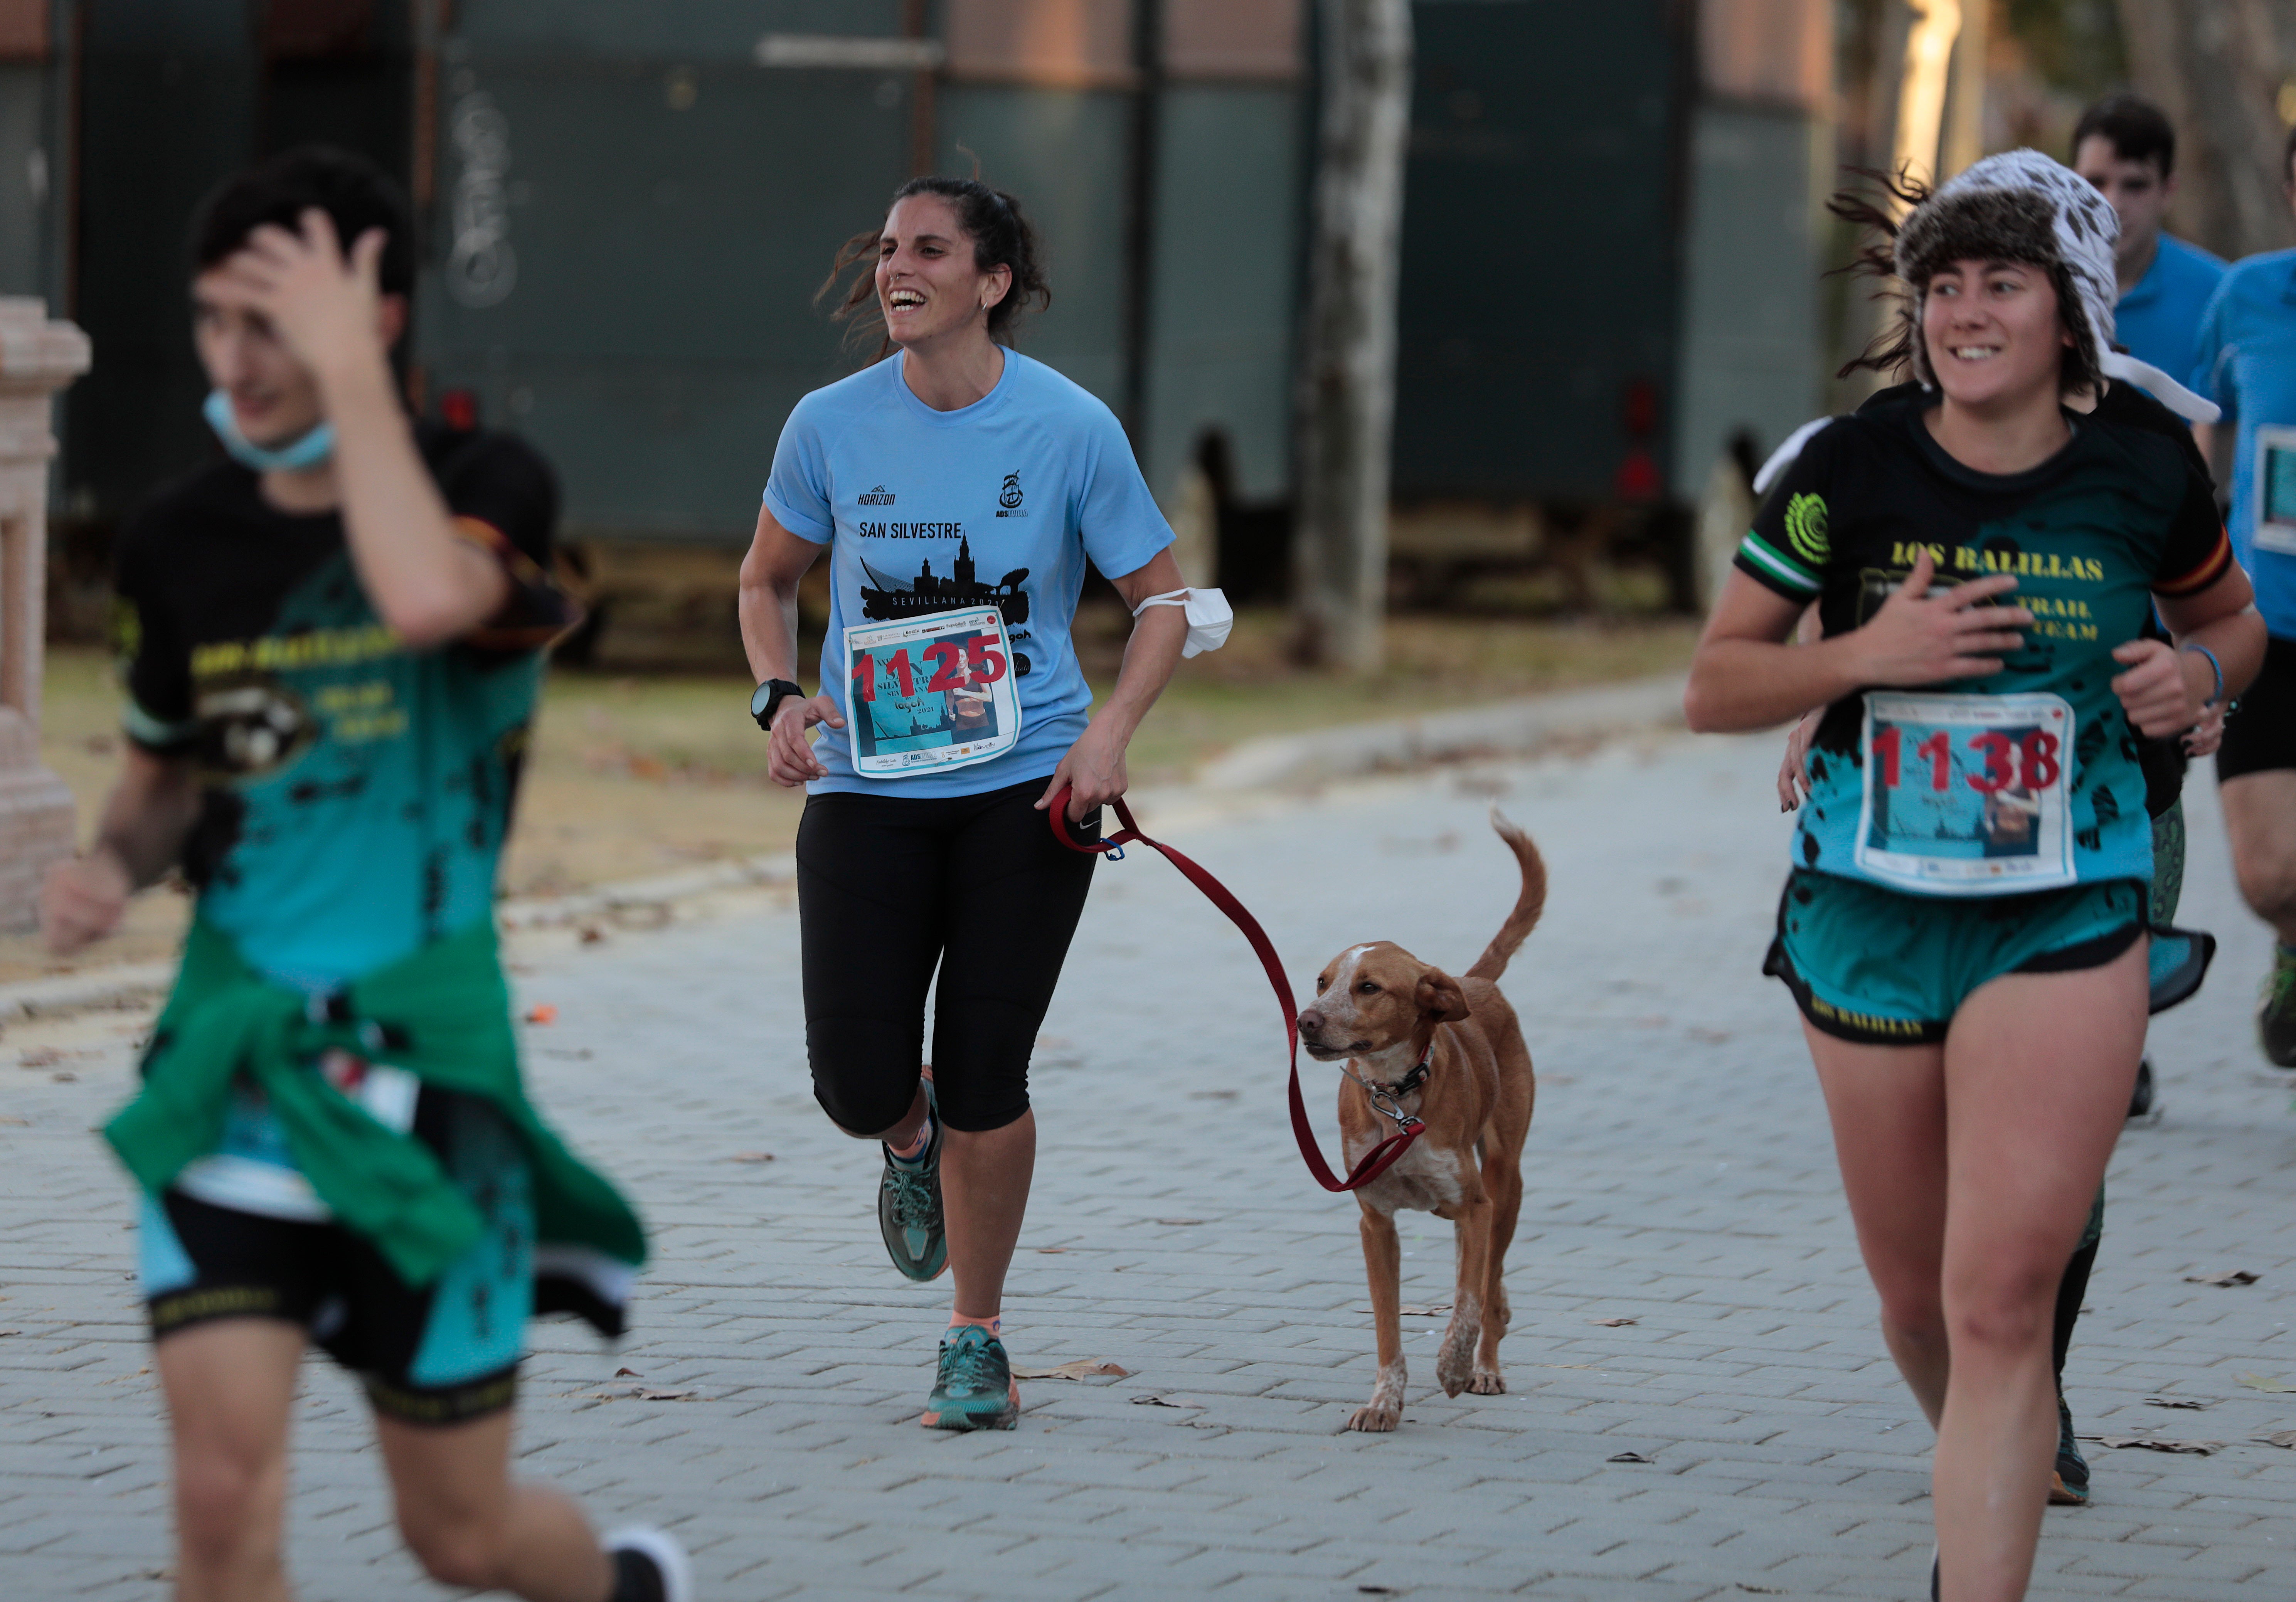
2244	359
2125	146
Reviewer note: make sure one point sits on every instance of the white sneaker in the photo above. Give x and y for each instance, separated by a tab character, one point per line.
661	1548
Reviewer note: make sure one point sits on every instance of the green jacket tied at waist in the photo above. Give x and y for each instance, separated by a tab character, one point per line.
443	1015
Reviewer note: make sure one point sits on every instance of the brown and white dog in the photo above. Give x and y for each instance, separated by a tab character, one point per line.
1450	1052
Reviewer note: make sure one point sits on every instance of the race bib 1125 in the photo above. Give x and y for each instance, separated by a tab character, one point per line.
928	693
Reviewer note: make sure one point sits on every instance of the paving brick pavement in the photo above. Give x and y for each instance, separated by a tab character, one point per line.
1679	1174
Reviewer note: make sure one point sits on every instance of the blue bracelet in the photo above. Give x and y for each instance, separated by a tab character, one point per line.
2215	666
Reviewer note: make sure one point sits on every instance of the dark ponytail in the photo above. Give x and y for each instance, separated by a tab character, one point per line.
1001	236
1891	351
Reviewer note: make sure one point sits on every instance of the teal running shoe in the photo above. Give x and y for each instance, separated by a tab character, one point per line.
2275	1019
975	1389
908	1207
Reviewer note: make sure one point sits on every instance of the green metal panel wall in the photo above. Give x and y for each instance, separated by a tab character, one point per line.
1065	153
659	327
23	207
168	106
1221	331
670	209
1539	276
1750	356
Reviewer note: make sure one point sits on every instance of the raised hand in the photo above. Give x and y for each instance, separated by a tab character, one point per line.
324	304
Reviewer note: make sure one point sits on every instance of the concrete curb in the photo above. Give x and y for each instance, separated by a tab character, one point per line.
1274	763
1506	729
628	900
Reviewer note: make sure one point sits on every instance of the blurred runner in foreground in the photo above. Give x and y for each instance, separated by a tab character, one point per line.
334	643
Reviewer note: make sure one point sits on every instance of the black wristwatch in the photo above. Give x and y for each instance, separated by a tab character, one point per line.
767	700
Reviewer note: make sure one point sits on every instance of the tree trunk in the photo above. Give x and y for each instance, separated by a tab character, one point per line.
2217	68
1348	373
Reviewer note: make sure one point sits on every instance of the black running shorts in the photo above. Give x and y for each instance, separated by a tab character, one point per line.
445	1353
891	888
2260	734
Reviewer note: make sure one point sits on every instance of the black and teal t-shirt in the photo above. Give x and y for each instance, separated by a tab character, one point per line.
355	793
2030	778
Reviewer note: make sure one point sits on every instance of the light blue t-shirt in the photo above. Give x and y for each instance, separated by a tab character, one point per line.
995	504
2159	319
2244	360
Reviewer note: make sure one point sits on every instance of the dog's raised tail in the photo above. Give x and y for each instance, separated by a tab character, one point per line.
1527	906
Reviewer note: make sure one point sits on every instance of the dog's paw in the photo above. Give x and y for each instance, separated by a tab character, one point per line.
1377	1418
1455	1364
1487	1382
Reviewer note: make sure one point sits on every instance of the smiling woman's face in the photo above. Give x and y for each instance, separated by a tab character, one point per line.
1992	331
927	284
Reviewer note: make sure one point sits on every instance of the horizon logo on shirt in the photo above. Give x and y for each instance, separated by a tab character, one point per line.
878	496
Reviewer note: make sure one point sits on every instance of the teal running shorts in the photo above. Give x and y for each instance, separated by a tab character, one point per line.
1884	968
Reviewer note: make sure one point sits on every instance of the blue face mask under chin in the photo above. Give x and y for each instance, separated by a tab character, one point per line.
307	450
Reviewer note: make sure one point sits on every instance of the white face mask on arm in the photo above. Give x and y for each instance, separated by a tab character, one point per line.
1209	617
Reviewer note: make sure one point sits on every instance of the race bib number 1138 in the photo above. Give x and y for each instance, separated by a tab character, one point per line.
1966	794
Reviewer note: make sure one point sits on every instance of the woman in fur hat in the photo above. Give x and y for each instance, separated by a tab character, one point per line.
1964	923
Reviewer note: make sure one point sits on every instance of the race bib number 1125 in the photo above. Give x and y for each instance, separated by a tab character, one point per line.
1966	794
931	692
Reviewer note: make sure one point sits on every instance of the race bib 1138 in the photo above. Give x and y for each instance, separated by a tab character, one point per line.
1966	794
928	693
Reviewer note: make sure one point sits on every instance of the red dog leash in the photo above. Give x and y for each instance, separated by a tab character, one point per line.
1381	1157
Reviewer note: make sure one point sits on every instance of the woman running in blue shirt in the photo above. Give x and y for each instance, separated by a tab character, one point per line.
959	488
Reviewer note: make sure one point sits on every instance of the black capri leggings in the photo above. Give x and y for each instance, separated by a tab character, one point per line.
890	887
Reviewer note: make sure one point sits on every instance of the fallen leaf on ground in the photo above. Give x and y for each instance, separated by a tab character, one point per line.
10	1332
1051	1251
544	1013
1164	1401
2156	1443
1613	1323
592	935
627	1374
1376	1591
1627	1457
753	1156
11	1118
2265	1382
639	1393
1763	1591
2194	1403
1083	1367
1178	1223
2286	1438
2228	1276
40	1057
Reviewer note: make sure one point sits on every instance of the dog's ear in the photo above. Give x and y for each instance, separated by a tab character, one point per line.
1440	998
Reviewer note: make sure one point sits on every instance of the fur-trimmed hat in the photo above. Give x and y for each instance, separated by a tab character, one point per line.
2022	206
